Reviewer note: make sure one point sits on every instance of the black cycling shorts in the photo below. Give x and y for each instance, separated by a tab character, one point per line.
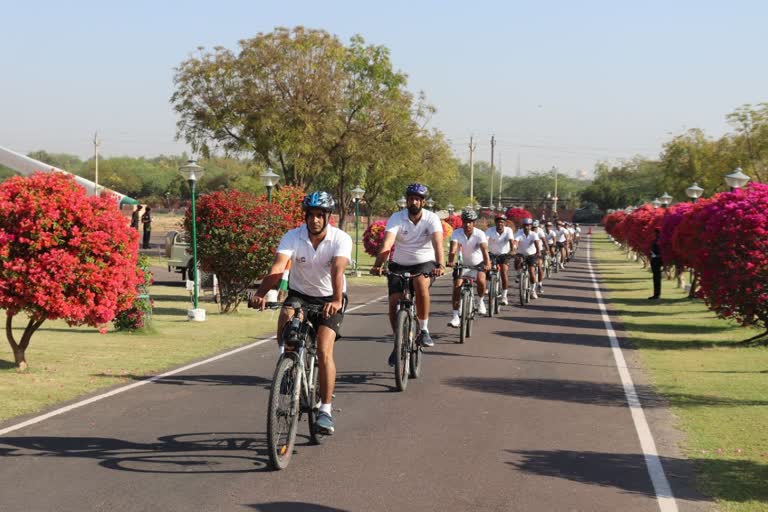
334	322
395	285
500	259
530	259
559	245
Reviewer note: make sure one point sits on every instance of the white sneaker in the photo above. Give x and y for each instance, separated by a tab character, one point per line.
562	267
481	308
504	301
455	322
541	289
533	295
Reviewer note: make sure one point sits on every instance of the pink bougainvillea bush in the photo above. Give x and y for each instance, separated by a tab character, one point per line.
640	228
447	230
373	237
454	221
733	264
63	255
517	215
612	220
686	240
238	234
675	215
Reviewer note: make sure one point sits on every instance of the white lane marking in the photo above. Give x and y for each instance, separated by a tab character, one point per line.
661	487
77	405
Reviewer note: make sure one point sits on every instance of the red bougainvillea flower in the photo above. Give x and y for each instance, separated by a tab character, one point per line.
373	237
517	215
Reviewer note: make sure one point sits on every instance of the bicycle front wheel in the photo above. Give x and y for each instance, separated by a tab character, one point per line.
464	306
493	295
402	349
522	280
283	414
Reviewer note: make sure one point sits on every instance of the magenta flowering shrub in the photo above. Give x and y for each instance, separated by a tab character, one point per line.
454	221
640	228
373	237
673	218
733	264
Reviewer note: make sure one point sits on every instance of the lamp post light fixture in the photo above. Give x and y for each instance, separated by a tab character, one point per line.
694	191
192	172
269	179
430	203
357	195
402	202
477	208
665	200
656	203
736	179
450	208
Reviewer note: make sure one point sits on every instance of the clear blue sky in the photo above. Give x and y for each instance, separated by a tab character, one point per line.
559	83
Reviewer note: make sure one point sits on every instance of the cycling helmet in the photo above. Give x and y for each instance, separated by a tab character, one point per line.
417	189
535	223
469	216
321	200
527	221
501	216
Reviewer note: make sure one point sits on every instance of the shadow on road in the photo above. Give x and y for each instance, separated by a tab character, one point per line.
739	480
591	393
293	506
193	453
210	380
373	382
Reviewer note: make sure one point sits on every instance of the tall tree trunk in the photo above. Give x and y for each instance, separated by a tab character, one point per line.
19	349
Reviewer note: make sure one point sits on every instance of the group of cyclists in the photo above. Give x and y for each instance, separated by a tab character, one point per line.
318	255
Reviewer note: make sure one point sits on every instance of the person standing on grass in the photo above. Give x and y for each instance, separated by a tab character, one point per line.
146	221
656	264
135	216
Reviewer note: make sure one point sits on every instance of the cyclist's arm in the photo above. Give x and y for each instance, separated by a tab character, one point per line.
452	252
338	266
272	279
486	256
437	244
386	247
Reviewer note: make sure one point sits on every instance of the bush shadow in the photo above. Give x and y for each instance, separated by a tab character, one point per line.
293	506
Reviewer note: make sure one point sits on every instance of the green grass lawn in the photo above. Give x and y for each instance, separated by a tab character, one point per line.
65	362
717	389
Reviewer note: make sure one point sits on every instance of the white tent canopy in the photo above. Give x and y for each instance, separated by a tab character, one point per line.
26	166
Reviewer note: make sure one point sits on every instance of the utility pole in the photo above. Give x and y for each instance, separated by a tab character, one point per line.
493	145
472	147
501	178
554	199
96	144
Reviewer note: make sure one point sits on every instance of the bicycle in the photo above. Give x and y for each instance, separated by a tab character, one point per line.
408	352
294	390
494	288
547	265
524	281
467	307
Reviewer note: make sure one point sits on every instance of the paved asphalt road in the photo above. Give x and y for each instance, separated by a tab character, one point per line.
529	415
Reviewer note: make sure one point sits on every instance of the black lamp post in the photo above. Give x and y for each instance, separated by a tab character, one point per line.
192	172
269	179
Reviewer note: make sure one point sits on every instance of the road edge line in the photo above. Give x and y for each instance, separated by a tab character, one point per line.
123	389
661	486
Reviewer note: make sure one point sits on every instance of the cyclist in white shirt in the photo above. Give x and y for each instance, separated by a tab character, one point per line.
500	241
319	254
550	235
562	240
544	246
528	248
474	253
417	235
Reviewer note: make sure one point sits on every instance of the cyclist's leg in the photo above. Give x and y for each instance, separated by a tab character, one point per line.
394	298
481	284
421	290
326	337
503	272
532	271
457	282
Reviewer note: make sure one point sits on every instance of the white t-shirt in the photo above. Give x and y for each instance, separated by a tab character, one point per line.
578	231
572	231
498	243
540	232
471	253
526	244
551	236
310	268
561	232
413	242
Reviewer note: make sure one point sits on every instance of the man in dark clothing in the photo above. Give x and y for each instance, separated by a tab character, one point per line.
146	220
656	265
135	216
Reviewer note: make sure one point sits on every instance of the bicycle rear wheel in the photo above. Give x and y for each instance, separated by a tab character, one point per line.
493	295
314	403
402	349
414	362
548	267
283	414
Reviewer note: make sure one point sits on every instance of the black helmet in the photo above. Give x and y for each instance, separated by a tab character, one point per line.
322	200
469	215
417	189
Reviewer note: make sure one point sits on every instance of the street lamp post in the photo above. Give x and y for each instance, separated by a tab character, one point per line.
269	179
694	191
402	202
357	195
656	203
736	179
450	209
430	203
192	172
665	200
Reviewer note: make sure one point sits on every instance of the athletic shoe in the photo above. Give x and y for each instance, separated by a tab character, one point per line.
481	308
324	423
533	295
562	267
455	322
541	289
425	339
504	301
